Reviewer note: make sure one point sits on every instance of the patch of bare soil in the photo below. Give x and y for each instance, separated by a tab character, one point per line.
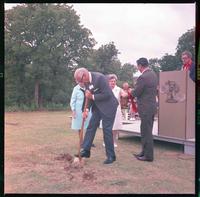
178	156
75	168
66	157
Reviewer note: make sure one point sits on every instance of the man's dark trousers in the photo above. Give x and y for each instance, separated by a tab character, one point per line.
146	129
107	123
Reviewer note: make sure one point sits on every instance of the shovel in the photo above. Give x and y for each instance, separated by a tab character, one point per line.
81	131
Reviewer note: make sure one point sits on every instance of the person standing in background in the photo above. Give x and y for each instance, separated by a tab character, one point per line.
133	107
124	101
146	91
188	64
76	104
118	92
128	105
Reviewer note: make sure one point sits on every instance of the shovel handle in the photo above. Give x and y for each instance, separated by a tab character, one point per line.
81	131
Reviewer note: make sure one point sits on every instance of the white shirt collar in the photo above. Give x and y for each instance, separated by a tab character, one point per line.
90	77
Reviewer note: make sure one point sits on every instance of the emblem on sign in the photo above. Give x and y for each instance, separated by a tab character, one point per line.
173	92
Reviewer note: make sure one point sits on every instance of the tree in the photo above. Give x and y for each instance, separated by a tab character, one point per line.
126	73
186	43
154	65
169	63
106	56
173	62
44	42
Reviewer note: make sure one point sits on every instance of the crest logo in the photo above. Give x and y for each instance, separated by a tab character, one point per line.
172	90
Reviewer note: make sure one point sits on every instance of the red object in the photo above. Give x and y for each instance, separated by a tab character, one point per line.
133	104
187	66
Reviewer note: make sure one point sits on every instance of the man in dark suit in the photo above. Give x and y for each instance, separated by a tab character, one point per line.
104	106
145	91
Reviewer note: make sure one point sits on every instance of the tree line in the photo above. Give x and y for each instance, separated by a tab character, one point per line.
45	43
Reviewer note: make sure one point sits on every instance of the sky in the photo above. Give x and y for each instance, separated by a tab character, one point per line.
137	29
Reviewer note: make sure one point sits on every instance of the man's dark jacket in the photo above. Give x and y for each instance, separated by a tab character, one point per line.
146	91
104	98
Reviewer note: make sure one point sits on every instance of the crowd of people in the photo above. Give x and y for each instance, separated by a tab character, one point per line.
109	104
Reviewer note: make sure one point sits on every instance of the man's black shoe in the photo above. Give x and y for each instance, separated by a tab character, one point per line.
138	155
85	153
143	158
109	160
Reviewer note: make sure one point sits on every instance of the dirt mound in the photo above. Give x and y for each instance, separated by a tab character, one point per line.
75	168
89	175
66	157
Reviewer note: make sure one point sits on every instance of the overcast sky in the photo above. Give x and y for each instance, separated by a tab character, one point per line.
137	30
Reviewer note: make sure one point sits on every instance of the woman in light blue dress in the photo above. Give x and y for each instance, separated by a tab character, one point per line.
76	104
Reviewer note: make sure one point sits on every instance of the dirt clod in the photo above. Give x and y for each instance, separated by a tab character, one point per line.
66	157
77	165
88	175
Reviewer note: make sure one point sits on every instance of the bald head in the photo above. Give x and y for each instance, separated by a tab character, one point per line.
125	86
81	75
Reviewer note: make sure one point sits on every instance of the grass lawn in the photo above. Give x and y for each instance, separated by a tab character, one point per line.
35	140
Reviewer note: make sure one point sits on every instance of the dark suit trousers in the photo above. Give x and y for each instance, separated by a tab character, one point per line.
107	124
146	128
